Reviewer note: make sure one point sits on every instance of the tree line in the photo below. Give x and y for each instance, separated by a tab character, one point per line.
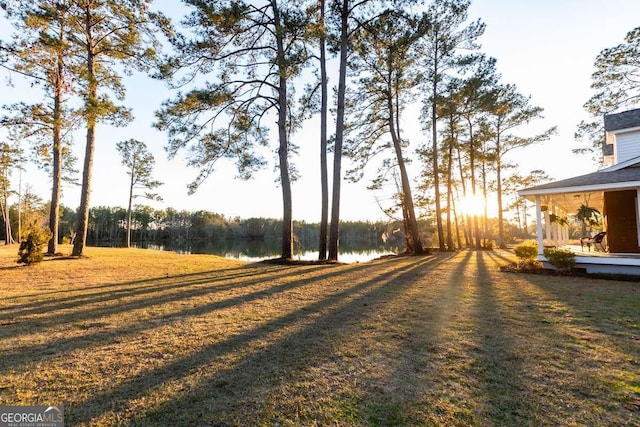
118	226
234	66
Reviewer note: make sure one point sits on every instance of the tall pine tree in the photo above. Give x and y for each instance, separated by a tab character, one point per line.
139	163
40	50
384	61
111	34
616	83
254	52
447	35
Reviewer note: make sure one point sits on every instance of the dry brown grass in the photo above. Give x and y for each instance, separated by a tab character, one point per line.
135	337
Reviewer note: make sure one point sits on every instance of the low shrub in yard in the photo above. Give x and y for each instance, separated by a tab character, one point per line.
526	252
487	244
562	259
30	251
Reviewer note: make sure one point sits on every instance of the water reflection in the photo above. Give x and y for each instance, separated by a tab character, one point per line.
259	250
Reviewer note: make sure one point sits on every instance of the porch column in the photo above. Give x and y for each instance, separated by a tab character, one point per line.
539	228
638	214
547	225
555	228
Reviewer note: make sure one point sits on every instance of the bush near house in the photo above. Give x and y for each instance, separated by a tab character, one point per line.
562	259
526	252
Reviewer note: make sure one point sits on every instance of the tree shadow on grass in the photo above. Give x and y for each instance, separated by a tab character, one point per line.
583	334
460	362
499	364
114	301
420	341
472	358
83	297
500	254
284	348
78	291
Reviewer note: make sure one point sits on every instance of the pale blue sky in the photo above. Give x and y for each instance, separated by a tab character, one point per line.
546	47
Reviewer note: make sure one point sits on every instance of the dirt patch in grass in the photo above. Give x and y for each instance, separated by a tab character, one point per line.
135	337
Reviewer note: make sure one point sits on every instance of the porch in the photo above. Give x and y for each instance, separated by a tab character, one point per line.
614	193
603	262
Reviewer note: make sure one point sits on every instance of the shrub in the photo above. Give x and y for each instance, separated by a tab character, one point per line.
30	251
487	244
526	252
562	259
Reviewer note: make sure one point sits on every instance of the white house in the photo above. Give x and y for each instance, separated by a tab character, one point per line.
614	191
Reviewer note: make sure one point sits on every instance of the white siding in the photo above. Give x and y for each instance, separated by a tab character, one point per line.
627	146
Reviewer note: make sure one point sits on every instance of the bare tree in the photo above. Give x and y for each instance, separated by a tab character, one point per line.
139	163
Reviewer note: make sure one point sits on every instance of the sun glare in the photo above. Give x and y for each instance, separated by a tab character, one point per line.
472	205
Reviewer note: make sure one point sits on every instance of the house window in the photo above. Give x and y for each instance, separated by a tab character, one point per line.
627	146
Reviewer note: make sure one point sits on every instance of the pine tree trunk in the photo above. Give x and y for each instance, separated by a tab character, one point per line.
324	174
283	150
467	220
436	172
6	217
56	192
83	212
501	243
414	244
129	209
334	231
476	228
56	189
450	245
455	218
485	217
91	107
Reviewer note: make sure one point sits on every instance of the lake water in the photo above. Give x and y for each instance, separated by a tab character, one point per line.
255	251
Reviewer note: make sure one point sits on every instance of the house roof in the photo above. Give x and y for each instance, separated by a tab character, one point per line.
604	179
569	193
625	120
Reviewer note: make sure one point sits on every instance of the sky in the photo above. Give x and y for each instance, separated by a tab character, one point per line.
545	47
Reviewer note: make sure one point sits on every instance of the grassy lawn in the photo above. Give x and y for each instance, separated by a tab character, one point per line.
138	337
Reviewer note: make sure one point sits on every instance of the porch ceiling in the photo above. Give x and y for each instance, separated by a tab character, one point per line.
570	202
570	193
